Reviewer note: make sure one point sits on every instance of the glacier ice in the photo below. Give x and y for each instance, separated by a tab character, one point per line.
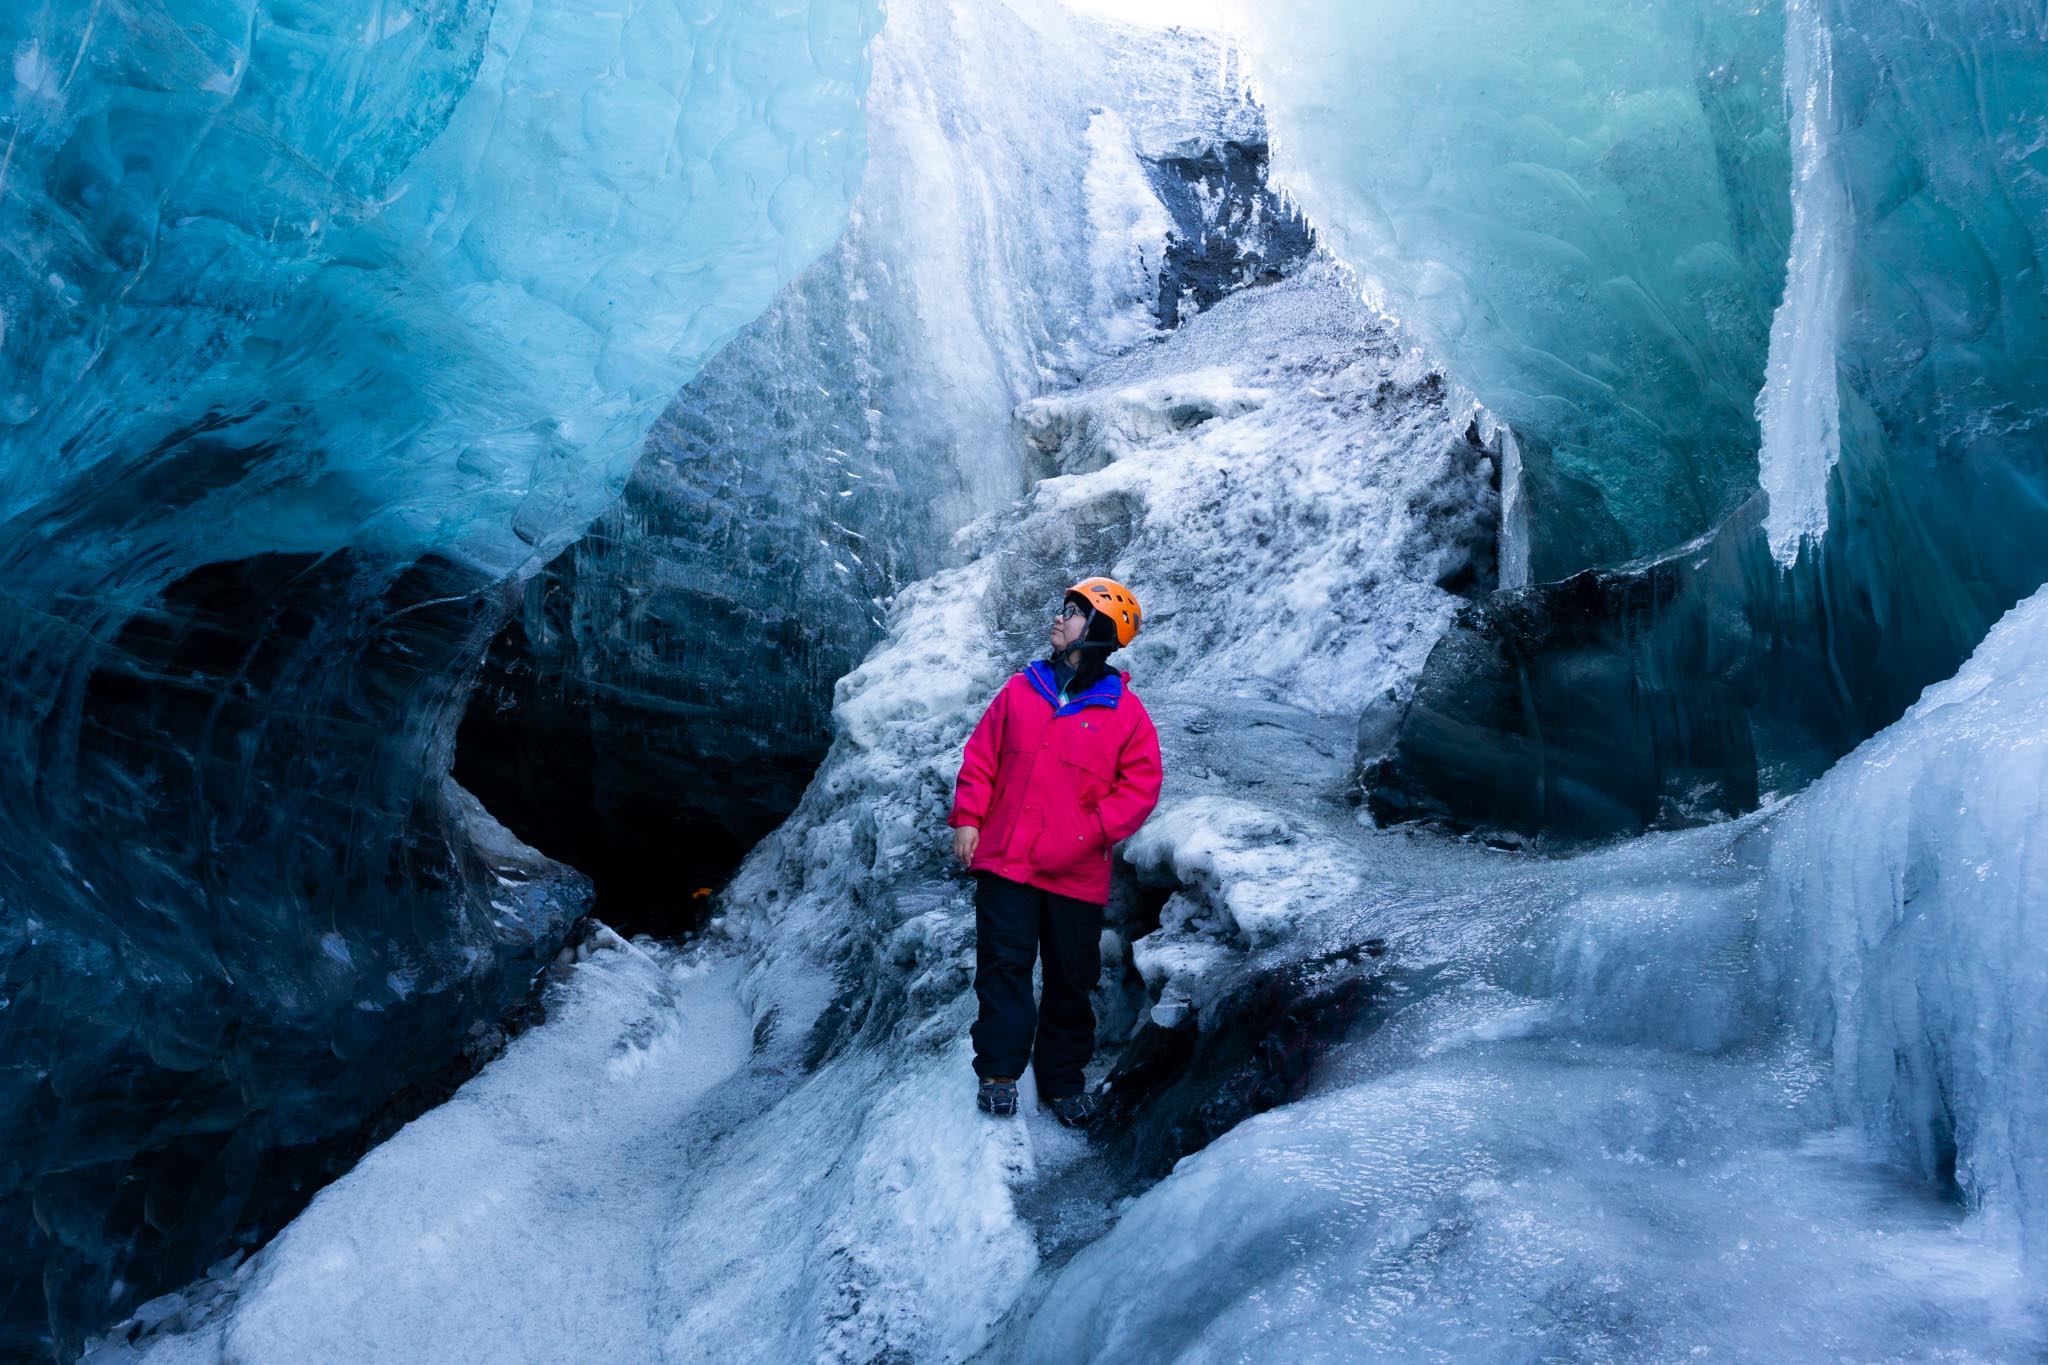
1845	553
1584	213
1039	193
1634	1104
1758	1089
1797	410
406	201
580	1121
322	325
1508	1201
1578	1125
883	1215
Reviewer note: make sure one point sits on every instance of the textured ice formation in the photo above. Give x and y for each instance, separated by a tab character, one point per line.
1482	1105
881	1214
579	1123
1758	1090
1923	186
1799	407
1903	418
1583	212
321	324
1039	193
1906	897
1589	218
1570	1123
932	1235
1518	1201
507	190
1618	700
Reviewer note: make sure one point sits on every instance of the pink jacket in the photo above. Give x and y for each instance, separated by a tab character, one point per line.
1051	789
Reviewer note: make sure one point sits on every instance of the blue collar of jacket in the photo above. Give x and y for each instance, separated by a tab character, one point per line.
1106	690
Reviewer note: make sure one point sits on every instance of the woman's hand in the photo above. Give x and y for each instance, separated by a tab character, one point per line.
965	840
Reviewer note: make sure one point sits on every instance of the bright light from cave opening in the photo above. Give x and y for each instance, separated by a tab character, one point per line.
1202	14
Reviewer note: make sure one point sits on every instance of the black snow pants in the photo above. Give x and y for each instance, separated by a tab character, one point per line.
1012	924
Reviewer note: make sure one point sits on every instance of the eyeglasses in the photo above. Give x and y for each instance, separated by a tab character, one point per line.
1070	612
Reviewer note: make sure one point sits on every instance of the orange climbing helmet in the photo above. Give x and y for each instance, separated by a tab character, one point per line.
1113	600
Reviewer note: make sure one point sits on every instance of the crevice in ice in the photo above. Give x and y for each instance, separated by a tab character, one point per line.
668	681
655	798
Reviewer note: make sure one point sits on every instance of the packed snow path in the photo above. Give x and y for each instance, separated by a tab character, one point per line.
1563	1127
520	1220
538	1215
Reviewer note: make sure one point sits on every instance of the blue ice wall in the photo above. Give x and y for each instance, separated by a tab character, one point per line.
1628	230
1582	207
1928	341
321	325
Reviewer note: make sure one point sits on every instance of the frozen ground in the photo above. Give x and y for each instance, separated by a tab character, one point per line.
519	1220
1566	1125
1373	1094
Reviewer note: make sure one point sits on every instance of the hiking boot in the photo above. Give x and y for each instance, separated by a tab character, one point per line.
1075	1111
997	1097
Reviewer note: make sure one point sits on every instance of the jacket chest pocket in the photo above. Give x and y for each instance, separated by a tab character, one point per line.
1089	761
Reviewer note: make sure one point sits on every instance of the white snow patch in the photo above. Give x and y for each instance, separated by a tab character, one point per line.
1127	233
518	1221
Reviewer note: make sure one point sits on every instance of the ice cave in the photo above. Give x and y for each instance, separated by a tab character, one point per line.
511	513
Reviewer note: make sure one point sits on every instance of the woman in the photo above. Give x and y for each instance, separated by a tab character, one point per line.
1063	764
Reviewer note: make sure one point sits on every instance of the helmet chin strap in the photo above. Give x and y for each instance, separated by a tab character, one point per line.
1081	644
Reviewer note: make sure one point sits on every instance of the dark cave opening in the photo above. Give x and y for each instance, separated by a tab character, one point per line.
654	797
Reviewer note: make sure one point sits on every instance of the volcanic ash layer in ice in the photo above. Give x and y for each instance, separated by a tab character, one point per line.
1040	192
319	325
